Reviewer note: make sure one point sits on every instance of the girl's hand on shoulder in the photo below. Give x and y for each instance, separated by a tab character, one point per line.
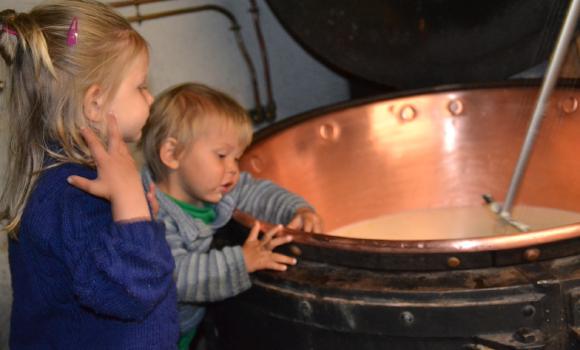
152	199
118	179
307	220
258	253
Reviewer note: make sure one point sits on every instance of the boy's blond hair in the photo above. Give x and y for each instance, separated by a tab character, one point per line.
48	77
183	112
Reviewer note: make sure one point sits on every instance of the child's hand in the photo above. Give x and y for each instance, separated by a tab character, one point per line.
118	179
152	199
307	220
258	254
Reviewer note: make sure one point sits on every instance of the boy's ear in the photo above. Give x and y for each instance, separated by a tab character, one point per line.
93	103
168	153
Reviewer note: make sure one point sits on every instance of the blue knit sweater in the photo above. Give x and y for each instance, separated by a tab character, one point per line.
82	281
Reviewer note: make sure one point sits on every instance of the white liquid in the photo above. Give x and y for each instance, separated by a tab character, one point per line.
453	223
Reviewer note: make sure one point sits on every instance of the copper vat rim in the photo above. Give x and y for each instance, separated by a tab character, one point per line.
471	245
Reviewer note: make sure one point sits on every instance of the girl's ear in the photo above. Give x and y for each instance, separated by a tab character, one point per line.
168	153
93	103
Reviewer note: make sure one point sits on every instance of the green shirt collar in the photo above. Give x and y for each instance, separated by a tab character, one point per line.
207	214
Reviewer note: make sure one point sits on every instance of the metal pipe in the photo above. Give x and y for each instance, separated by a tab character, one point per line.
271	104
155	15
546	90
133	3
235	27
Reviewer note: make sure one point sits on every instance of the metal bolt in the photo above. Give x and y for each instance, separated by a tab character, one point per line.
569	105
295	250
305	308
407	318
455	107
257	164
525	335
407	113
453	262
475	347
329	131
532	254
528	310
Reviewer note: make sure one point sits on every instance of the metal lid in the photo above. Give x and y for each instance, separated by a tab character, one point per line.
418	43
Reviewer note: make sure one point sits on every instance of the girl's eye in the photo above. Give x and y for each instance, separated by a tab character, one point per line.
221	156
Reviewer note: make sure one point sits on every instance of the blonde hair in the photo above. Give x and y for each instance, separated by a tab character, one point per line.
47	80
182	112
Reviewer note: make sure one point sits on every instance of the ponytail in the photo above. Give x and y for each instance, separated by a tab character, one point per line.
20	36
8	37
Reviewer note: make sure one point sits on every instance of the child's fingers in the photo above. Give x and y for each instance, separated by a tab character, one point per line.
271	233
94	144
113	131
295	223
278	241
308	225
318	226
84	184
312	223
253	236
153	200
283	259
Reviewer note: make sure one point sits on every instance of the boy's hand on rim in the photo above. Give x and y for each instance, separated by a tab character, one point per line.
258	254
307	220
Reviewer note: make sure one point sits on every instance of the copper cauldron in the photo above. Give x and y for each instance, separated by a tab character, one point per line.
399	153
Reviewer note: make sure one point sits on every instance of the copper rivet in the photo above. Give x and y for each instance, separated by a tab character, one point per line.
407	113
257	164
455	107
295	250
569	105
329	131
532	254
453	261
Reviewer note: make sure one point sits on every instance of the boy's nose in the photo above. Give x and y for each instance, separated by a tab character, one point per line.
233	167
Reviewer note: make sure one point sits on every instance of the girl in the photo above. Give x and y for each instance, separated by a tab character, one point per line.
89	271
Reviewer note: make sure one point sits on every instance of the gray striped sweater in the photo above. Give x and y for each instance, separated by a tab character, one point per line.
203	275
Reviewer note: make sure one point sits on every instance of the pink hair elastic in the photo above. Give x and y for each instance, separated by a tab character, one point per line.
73	32
8	30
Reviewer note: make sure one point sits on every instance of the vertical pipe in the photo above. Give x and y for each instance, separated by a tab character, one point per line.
547	86
271	104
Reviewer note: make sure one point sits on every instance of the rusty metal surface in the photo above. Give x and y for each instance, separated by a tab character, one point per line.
432	150
514	307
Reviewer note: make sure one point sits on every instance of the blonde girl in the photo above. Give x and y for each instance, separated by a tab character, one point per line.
90	268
